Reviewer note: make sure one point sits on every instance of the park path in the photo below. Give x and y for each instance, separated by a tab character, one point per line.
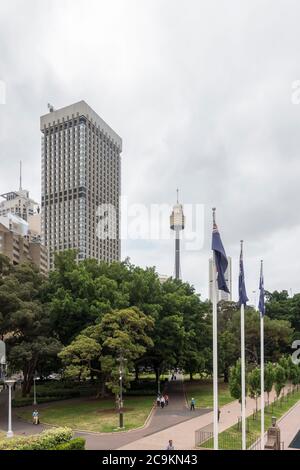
289	426
176	412
183	434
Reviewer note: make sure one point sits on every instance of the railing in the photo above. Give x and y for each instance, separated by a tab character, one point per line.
205	440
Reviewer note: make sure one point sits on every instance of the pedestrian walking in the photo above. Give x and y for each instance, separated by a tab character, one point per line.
158	400
219	413
193	404
166	399
170	445
162	402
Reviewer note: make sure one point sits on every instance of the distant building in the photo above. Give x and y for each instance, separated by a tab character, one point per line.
163	278
19	202
81	184
19	244
228	277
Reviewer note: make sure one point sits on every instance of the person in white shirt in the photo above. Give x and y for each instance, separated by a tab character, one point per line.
170	445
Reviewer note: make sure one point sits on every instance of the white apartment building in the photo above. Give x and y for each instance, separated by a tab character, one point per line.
18	203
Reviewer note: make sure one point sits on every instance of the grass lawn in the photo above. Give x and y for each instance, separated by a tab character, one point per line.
93	415
202	391
231	439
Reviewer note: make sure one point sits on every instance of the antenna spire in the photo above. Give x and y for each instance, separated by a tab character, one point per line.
177	192
20	175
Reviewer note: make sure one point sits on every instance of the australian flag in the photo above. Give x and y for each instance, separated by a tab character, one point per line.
261	304
220	258
243	299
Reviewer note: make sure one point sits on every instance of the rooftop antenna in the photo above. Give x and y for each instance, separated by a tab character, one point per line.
20	189
177	191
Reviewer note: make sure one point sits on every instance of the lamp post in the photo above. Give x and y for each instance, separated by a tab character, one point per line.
10	384
121	372
34	389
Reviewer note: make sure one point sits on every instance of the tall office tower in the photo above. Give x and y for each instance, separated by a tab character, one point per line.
221	295
18	202
80	184
177	222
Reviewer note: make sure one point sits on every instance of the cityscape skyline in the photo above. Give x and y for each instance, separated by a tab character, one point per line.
185	121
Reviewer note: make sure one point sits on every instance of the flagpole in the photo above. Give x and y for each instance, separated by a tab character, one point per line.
243	371
215	352
262	377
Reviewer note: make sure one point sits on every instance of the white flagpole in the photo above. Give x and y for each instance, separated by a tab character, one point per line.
215	353
243	373
262	377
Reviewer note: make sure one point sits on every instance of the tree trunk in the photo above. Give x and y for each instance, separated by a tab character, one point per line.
136	371
28	374
156	374
191	376
226	375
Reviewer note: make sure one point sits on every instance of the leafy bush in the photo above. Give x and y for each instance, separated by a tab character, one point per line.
75	444
54	391
47	440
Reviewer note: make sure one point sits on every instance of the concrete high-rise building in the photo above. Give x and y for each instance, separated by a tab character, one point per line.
221	295
81	184
177	222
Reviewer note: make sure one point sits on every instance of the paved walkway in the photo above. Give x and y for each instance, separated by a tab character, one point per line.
289	426
183	434
176	412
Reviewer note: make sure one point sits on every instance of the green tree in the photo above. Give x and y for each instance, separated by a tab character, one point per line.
254	385
235	381
97	349
280	378
269	378
25	322
80	356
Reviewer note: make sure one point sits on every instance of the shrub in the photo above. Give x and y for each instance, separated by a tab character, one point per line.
26	401
75	444
47	440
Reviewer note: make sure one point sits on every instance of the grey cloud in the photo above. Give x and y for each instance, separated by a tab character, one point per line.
201	96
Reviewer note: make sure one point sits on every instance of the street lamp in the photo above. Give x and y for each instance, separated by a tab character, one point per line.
121	372
10	384
34	389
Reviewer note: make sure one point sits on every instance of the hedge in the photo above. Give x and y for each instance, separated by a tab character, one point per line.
75	444
47	440
25	401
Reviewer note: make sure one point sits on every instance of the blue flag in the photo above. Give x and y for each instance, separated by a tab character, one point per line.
243	299
220	259
261	304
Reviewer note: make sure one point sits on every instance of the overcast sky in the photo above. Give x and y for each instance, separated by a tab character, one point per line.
201	94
